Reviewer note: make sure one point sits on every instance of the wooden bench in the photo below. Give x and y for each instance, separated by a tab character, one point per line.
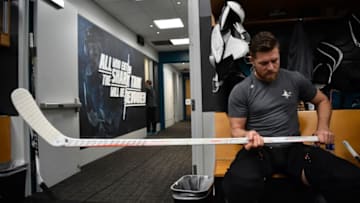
344	123
5	141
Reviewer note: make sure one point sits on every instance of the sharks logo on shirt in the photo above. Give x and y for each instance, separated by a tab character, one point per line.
286	94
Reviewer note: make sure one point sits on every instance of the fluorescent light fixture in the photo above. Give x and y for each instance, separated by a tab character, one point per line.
181	41
169	23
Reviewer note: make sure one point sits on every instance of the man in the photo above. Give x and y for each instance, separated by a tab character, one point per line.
265	104
150	108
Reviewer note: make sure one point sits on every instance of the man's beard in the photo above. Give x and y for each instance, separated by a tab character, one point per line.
267	77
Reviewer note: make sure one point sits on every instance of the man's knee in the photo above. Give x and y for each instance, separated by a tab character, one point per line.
335	178
244	180
242	188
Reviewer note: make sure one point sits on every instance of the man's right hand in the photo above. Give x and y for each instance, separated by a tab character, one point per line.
255	140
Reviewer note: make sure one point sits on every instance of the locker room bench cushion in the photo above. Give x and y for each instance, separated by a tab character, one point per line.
344	123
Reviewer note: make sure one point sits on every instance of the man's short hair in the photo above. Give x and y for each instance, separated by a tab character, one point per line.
263	42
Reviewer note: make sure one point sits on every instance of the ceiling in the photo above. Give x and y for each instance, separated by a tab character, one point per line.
138	15
182	67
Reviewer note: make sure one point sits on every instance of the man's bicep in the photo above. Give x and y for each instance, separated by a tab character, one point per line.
319	97
237	104
307	90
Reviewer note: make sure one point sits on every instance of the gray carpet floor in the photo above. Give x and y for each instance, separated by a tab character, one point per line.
132	174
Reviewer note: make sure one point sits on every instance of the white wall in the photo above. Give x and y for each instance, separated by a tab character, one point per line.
173	95
148	69
57	79
202	124
169	95
56	41
179	101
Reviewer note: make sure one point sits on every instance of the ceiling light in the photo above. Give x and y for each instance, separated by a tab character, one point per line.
169	23
178	3
179	41
158	32
151	25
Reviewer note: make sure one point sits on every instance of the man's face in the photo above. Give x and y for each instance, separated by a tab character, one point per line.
266	64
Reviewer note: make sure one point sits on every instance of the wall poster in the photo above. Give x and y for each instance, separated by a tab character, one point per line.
110	84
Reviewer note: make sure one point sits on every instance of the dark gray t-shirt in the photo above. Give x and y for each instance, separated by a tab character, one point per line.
271	108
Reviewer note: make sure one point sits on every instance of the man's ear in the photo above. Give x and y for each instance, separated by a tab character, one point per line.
251	59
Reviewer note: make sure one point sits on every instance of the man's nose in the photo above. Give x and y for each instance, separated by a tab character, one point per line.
271	66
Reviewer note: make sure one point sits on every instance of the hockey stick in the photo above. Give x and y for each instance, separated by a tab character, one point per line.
36	178
351	150
39	180
30	112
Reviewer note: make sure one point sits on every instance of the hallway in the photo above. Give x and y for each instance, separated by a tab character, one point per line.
133	174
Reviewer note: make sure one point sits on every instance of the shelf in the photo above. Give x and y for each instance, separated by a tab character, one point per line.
290	20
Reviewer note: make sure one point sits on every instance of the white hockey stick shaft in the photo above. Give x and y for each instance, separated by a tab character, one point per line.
351	150
30	112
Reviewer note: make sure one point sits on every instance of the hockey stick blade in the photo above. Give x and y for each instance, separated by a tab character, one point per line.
31	113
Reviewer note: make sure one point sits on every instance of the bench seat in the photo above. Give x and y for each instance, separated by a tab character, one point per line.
345	124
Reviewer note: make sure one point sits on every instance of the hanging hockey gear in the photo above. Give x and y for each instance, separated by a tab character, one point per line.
217	44
337	62
229	44
329	59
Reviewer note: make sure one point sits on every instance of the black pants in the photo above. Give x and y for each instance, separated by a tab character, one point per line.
336	179
151	119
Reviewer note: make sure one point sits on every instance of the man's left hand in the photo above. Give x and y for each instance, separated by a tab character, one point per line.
325	136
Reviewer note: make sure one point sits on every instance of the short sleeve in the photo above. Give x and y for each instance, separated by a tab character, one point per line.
307	90
237	103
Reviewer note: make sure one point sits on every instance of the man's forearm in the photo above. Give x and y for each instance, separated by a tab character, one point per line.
324	114
238	127
238	132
